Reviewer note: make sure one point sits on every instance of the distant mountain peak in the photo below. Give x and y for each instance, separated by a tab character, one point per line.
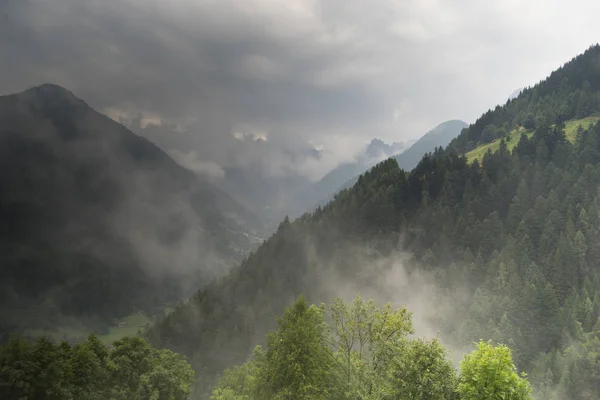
515	94
377	148
50	89
441	128
47	93
440	136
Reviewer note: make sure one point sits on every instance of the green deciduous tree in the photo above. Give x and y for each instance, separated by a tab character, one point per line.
132	370
366	340
421	371
298	360
369	356
489	373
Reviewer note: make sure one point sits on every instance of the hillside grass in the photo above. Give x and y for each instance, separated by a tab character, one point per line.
585	123
127	326
130	327
515	135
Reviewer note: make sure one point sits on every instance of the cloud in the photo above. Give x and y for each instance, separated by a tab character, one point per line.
260	67
394	277
294	70
190	160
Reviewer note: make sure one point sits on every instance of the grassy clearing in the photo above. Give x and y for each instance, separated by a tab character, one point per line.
570	132
515	136
585	123
58	334
128	326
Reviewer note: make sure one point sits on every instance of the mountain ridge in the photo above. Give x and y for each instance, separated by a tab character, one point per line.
439	136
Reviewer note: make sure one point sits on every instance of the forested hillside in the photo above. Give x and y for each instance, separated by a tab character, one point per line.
571	92
509	247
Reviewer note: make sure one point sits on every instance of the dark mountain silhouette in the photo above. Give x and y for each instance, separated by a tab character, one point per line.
97	221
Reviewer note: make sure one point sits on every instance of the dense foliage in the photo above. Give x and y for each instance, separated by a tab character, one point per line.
362	351
130	370
512	244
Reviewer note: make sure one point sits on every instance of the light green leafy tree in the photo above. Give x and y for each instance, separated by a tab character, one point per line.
377	359
298	360
421	371
365	339
139	371
488	373
242	382
366	353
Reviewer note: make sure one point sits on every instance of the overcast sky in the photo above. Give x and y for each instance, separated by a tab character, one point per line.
333	73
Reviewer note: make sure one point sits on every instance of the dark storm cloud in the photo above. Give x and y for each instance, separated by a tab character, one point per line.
335	73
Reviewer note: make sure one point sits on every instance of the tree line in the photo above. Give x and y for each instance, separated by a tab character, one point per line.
363	351
131	369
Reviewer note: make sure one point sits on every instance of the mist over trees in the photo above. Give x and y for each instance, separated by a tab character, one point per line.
511	243
363	351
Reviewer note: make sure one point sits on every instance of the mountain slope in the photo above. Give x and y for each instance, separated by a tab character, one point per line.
512	139
335	179
97	221
571	92
376	151
506	249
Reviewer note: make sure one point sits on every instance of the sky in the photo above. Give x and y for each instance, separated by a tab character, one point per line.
231	83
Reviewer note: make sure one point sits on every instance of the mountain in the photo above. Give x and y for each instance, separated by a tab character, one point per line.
515	94
439	136
506	249
98	222
376	151
291	193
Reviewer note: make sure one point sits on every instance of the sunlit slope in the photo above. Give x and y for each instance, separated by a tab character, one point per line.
515	135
